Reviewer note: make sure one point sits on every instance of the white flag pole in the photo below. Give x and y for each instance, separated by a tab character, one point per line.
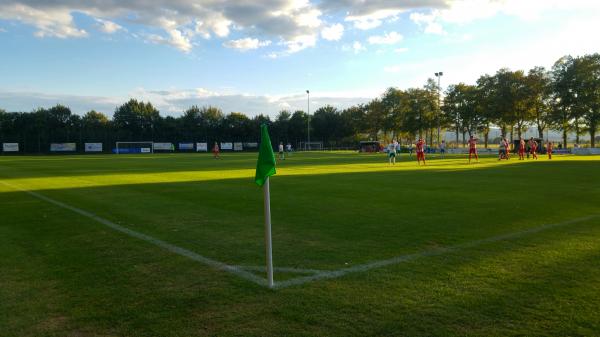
268	246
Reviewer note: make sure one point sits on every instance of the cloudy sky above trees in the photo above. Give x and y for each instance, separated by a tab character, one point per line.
261	56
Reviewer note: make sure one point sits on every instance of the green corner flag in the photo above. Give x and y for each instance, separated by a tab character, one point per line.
265	167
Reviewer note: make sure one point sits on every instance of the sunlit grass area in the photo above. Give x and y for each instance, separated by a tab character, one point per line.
62	273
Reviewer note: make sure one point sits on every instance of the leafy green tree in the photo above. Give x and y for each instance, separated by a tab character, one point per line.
193	126
432	95
236	126
577	87
419	111
353	119
462	106
95	127
326	122
589	72
392	102
137	120
255	124
298	127
540	96
565	99
375	118
281	126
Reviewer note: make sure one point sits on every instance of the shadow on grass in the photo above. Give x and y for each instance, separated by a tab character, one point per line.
186	171
345	219
103	283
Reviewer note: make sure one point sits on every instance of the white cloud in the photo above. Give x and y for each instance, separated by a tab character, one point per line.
333	32
300	42
429	21
180	22
176	39
309	18
108	27
388	38
246	44
372	20
356	47
401	50
174	102
466	11
2	30
51	22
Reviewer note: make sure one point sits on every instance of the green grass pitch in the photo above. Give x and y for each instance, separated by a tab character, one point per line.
360	248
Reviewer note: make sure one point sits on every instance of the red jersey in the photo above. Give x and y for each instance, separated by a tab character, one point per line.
550	146
472	144
420	146
522	145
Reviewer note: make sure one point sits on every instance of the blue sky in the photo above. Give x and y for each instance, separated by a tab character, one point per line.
261	56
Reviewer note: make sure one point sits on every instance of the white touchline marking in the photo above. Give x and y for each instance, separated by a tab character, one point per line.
318	274
409	257
165	245
283	269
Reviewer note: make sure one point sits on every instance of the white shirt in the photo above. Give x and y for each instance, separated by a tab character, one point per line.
392	148
280	147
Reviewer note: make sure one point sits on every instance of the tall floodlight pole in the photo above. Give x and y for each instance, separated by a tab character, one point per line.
308	115
439	76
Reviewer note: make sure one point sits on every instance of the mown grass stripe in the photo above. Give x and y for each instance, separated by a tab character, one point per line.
162	244
409	257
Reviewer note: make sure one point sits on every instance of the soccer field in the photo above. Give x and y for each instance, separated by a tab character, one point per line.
173	245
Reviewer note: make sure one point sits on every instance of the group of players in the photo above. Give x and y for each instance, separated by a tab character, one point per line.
531	147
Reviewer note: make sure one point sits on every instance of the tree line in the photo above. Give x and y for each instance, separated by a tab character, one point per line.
565	97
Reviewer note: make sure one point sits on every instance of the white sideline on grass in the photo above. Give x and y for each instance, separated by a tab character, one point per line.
439	251
165	245
243	271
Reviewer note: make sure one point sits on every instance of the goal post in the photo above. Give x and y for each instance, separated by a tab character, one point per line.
134	147
311	146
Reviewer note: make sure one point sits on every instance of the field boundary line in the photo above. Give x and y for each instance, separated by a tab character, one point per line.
147	238
244	272
282	269
409	257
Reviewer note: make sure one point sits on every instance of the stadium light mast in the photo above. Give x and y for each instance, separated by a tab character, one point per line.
439	76
308	115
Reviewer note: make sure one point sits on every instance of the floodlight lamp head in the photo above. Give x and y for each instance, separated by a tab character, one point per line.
308	92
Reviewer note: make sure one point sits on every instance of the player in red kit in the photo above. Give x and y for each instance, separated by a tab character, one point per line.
507	146
549	148
521	149
420	151
533	146
473	148
216	151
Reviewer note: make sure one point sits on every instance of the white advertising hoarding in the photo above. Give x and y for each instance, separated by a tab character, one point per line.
201	147
186	146
237	147
586	151
226	146
163	146
63	147
93	147
10	147
251	145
